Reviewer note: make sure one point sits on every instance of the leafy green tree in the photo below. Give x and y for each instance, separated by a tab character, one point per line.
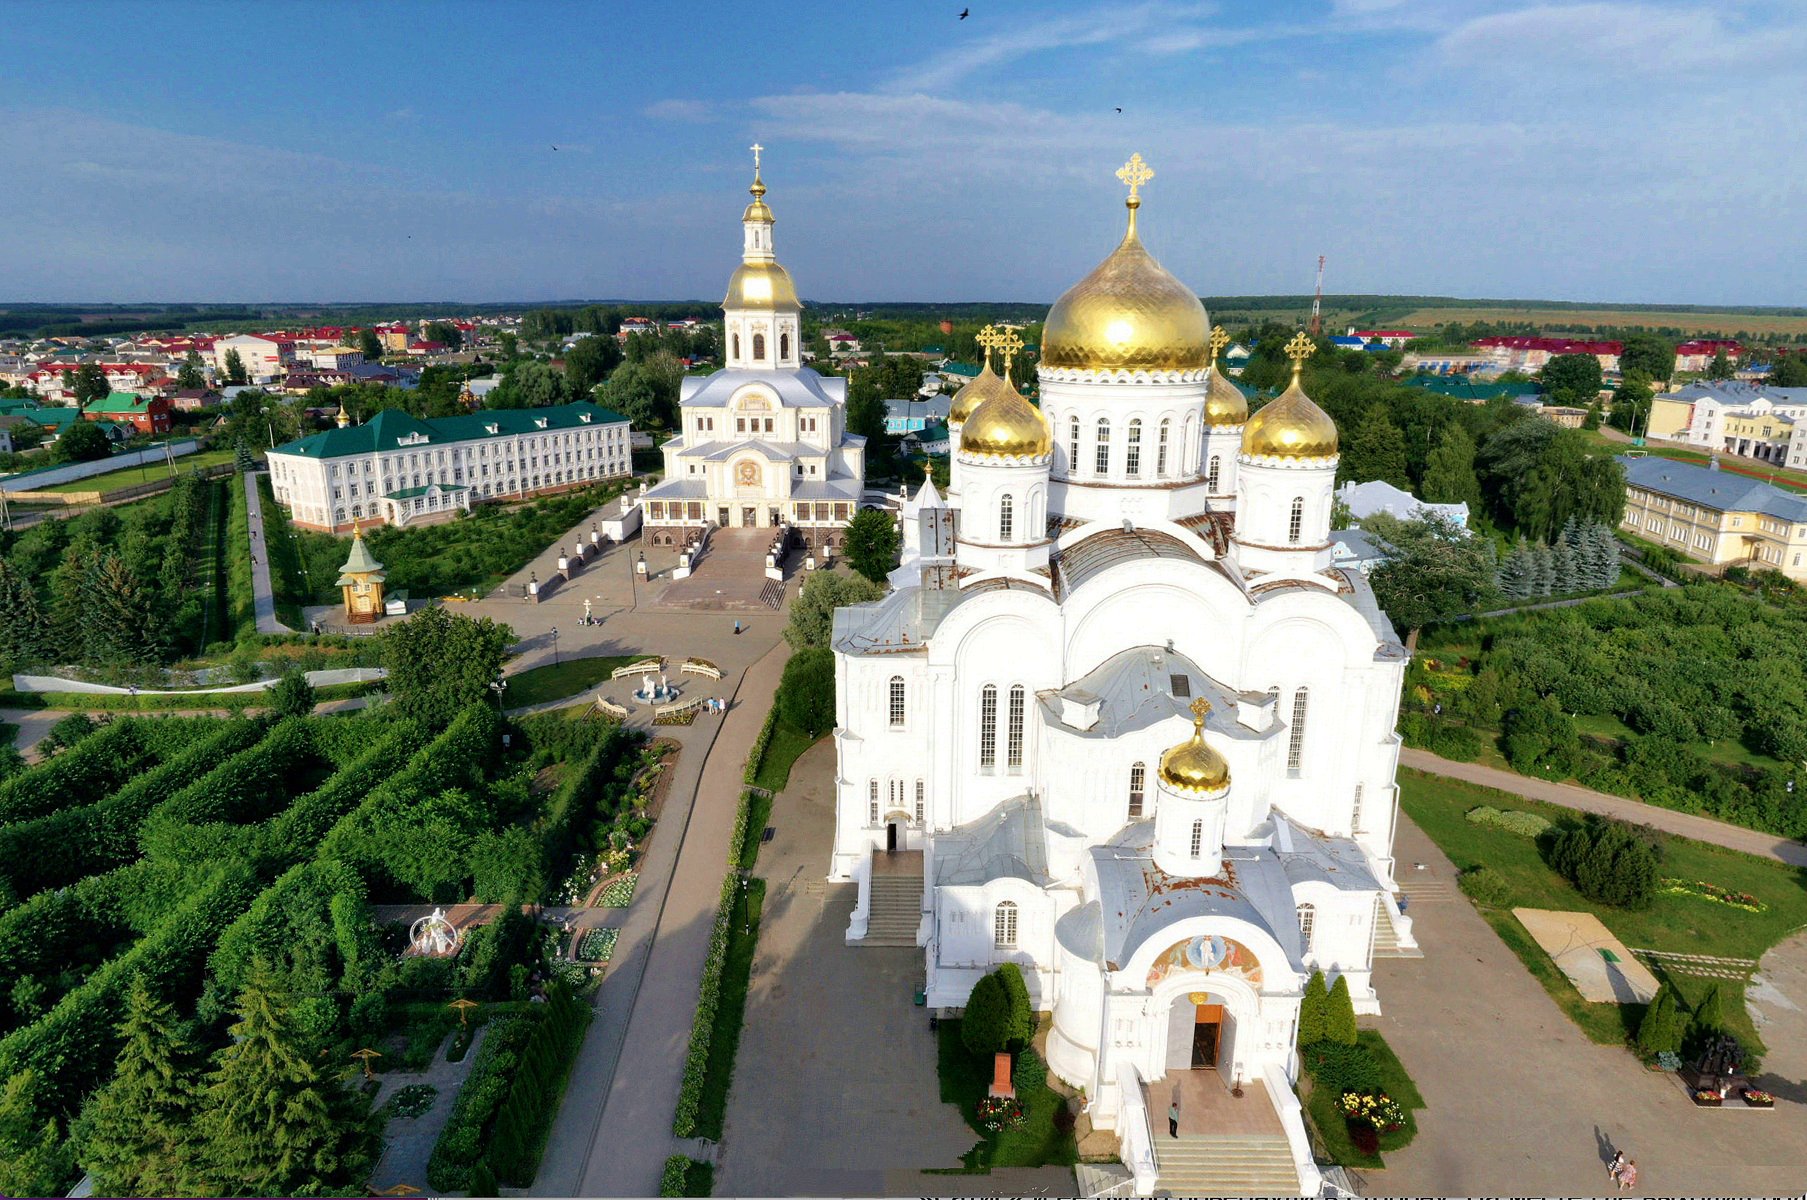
645	392
191	374
1313	1012
293	695
1648	355
1571	379
872	544
24	629
446	334
370	344
34	1160
83	441
136	1135
1540	739
273	1125
1449	476
1790	370
1339	1014
1721	366
88	385
806	691
1375	450
1664	1024
235	368
530	385
589	361
985	1025
1019	1027
440	663
1631	402
1435	570
812	612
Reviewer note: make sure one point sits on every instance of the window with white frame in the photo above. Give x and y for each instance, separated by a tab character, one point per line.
988	726
1014	746
920	802
1138	780
1006	517
1355	815
1132	462
1295	523
897	701
1295	747
1211	474
872	801
1308	919
1003	925
1101	455
1073	445
1160	449
1198	838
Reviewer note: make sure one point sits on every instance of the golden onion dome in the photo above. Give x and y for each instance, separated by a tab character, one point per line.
757	211
1224	402
761	285
1128	313
1290	427
1006	426
982	387
1193	766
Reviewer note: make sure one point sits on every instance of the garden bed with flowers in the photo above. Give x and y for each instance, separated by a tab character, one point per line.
617	892
597	945
1360	1111
1700	889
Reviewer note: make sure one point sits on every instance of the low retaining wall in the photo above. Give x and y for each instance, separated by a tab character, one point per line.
23	486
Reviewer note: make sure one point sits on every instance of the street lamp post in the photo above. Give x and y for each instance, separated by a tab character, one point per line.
555	645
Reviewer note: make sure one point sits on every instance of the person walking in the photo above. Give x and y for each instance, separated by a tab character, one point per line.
1173	1117
1615	1165
737	629
1628	1175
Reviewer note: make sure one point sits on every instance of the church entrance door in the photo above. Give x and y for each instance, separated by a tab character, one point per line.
891	837
1207	1027
749	517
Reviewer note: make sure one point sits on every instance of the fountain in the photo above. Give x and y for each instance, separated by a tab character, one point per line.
433	936
655	691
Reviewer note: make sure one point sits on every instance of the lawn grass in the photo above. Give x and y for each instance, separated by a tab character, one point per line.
556	681
289	576
241	599
966	1080
781	753
730	1009
1683	924
1321	1105
133	476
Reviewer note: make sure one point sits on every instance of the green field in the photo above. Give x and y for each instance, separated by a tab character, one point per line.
1678	923
542	685
132	476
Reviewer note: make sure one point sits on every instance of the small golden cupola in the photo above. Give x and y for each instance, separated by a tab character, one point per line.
760	283
1224	402
1193	766
1006	425
1130	313
984	386
1291	427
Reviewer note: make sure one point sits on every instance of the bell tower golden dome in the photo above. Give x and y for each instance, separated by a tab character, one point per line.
987	384
1292	427
1005	425
1130	313
1193	766
1224	402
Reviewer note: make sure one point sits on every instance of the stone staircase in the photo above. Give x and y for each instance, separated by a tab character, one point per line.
1386	936
1224	1164
896	909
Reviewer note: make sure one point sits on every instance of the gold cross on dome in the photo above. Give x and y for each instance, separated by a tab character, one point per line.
756	148
1201	708
1135	173
988	338
1300	349
1008	343
1219	339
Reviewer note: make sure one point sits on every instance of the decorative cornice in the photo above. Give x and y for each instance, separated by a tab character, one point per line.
976	459
1139	376
1299	464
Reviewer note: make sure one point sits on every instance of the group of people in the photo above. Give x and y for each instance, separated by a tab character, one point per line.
1622	1171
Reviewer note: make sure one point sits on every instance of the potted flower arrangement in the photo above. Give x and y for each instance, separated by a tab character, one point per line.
1757	1098
1368	1115
1707	1097
998	1113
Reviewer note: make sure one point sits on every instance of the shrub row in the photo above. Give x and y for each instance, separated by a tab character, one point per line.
1458	743
236	702
457	1155
94	767
297	831
756	756
708	997
95	838
674	1180
525	1118
575	801
1512	820
249	786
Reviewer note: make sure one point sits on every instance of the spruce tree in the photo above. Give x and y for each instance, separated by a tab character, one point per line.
135	1135
1339	1014
120	618
34	1161
1564	576
24	629
69	590
1603	554
1663	1024
273	1126
1375	450
1312	1014
1709	1017
1515	573
1543	570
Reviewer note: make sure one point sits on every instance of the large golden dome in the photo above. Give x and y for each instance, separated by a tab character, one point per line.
1224	402
1193	766
761	285
1129	313
1006	426
984	386
1290	427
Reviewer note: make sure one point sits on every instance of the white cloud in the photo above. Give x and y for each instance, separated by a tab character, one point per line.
679	110
1611	39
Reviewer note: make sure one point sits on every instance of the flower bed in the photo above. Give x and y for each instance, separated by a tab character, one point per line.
1512	820
998	1113
687	717
597	945
1700	889
1756	1098
1706	1098
411	1101
620	891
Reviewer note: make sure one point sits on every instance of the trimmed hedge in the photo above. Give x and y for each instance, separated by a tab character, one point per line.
460	1148
95	767
525	1118
575	800
756	756
674	1179
1512	820
296	833
251	786
708	997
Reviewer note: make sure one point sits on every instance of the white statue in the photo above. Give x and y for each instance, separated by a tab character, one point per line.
433	935
646	686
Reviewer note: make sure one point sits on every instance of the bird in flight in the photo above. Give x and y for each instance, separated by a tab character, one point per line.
964	13
1119	110
555	147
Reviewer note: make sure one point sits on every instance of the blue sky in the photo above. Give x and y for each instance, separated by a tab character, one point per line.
1639	151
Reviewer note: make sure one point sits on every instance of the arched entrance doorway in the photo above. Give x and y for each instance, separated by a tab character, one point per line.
1200	1032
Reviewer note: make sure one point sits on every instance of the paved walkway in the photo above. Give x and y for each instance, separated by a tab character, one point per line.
263	595
613	1134
1570	795
34	726
408	1141
1522	1103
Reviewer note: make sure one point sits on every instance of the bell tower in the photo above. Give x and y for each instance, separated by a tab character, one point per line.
762	315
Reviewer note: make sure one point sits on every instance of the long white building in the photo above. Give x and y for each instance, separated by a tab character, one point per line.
1123	723
399	469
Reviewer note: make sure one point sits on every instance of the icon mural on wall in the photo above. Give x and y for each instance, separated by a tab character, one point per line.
747	474
1211	953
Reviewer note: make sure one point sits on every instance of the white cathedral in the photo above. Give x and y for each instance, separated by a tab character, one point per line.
1120	721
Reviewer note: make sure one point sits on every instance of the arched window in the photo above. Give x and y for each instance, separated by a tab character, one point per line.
1101	460
1132	462
1006	517
919	802
1138	780
1355	814
784	346
1198	838
1073	446
1308	919
897	701
737	345
988	726
1191	458
1295	748
759	347
872	801
1211	474
1003	925
1014	747
1160	450
1295	523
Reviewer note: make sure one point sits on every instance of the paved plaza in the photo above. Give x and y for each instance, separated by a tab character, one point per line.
1522	1103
